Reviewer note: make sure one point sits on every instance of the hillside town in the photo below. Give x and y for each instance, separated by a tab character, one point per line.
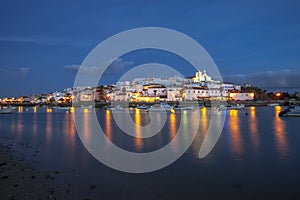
200	87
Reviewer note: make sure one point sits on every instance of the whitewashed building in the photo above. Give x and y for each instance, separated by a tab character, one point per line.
195	93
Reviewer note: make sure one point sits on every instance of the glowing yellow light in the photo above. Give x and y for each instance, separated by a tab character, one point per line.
277	94
232	95
20	109
252	95
233	113
85	110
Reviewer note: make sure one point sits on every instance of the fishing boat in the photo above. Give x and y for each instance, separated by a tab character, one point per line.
291	111
184	108
13	107
142	107
86	106
273	104
161	107
6	110
62	108
118	107
232	107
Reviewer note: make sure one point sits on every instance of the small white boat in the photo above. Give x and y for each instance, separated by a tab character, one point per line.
62	108
86	106
161	107
184	108
118	107
273	104
13	107
232	107
142	107
6	110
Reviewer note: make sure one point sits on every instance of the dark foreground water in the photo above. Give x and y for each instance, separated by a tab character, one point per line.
256	157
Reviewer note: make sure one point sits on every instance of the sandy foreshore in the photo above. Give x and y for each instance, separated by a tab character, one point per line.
21	178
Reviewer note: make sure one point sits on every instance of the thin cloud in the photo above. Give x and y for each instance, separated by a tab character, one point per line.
21	72
284	79
113	68
72	68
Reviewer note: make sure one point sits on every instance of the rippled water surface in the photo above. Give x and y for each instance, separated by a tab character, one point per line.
256	157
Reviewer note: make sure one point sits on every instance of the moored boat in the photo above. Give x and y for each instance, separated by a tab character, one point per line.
161	107
118	107
86	106
273	104
232	107
184	108
142	107
292	111
6	110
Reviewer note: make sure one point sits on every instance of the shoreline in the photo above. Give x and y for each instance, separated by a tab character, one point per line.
22	178
135	104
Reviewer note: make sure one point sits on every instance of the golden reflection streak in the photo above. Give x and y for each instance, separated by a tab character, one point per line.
280	134
204	120
138	133
236	141
34	109
172	125
86	125
173	130
72	126
72	109
48	125
108	131
20	109
253	129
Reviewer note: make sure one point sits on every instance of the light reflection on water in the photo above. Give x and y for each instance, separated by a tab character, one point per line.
244	127
108	128
257	147
240	127
235	134
138	133
254	135
280	134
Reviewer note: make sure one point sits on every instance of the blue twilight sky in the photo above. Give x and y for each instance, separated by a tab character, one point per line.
43	43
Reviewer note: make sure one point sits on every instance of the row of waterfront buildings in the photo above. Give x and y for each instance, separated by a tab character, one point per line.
198	87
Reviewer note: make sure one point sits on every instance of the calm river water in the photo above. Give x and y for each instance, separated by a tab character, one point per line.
256	157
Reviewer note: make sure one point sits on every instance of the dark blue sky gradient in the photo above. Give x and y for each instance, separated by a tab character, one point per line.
38	39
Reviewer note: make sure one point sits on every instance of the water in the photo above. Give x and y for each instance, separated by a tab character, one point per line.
256	157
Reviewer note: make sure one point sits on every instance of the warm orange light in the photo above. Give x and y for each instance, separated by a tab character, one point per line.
85	110
72	109
277	94
252	95
232	95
